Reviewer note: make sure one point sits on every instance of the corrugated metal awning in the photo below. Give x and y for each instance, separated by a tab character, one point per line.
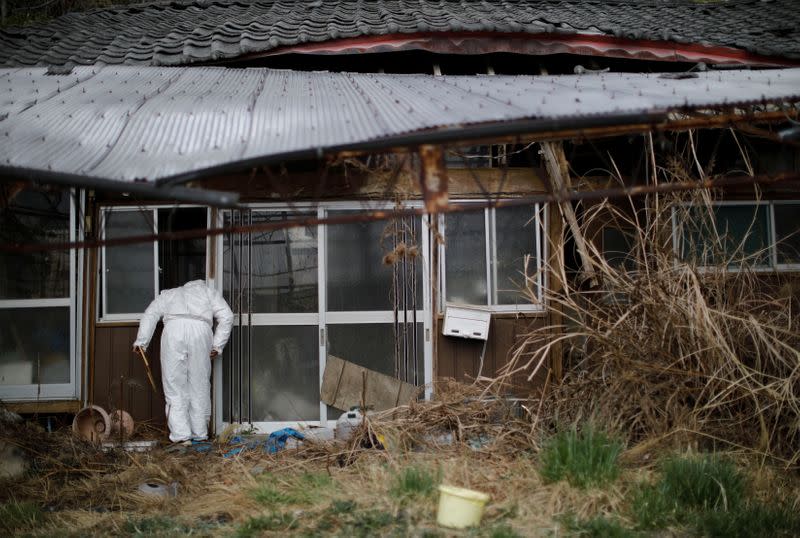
150	124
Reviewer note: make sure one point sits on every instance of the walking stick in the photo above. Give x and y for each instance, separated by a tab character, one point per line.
147	369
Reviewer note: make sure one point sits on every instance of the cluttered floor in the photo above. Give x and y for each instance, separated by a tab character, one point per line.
386	479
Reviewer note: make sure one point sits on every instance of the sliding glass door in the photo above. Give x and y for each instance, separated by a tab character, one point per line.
353	290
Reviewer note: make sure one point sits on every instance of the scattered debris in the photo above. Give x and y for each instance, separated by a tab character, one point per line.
92	423
158	490
121	424
345	384
13	462
130	446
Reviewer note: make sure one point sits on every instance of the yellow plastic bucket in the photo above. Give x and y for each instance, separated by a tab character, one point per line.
460	508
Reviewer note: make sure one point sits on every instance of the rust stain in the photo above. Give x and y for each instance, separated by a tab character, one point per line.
433	178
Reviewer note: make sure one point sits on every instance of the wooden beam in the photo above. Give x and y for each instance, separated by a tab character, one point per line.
44	407
558	174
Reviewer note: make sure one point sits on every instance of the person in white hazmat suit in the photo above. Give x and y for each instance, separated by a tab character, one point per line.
187	348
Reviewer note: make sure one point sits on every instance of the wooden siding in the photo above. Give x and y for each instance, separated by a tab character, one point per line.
459	358
119	379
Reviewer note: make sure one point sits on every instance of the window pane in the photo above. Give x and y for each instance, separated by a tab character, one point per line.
183	260
465	258
358	279
35	217
516	237
736	231
787	228
285	373
129	268
372	345
618	248
284	276
34	346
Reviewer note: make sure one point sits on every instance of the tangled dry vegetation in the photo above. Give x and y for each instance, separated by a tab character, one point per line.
382	482
666	348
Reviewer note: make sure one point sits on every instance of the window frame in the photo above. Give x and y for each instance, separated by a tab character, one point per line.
772	240
103	316
55	391
490	248
783	267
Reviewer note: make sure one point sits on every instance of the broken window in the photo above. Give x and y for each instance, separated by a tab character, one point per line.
133	275
493	257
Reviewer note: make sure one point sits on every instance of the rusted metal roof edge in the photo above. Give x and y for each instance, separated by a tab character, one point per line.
520	130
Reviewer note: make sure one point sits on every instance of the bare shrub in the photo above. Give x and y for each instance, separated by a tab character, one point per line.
681	336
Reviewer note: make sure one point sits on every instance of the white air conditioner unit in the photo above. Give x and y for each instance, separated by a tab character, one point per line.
466	321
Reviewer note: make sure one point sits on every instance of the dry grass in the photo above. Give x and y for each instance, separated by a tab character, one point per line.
667	352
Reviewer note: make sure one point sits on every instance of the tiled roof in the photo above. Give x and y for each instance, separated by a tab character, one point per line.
126	123
185	32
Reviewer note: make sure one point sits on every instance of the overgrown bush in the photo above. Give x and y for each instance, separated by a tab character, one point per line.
660	347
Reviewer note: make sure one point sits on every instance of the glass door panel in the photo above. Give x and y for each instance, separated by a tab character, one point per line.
271	366
284	267
284	374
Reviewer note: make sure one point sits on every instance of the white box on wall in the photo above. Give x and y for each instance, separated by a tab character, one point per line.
466	321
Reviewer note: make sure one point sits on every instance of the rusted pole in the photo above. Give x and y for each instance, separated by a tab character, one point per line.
381	214
433	177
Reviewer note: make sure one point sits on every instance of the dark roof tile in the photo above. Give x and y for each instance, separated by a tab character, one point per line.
190	31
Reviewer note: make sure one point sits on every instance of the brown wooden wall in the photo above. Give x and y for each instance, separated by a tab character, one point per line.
119	380
459	358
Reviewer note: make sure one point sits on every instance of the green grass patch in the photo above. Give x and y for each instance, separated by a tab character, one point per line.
414	482
277	522
704	482
306	488
584	457
17	515
706	492
752	521
651	508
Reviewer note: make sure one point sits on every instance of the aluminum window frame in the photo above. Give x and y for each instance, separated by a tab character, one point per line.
103	316
772	240
782	267
490	247
55	391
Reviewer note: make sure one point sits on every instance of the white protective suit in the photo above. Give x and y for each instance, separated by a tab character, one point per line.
186	343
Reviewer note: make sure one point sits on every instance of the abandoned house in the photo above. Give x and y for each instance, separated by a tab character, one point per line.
233	117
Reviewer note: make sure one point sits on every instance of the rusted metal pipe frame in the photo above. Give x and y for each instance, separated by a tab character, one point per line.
375	215
692	121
